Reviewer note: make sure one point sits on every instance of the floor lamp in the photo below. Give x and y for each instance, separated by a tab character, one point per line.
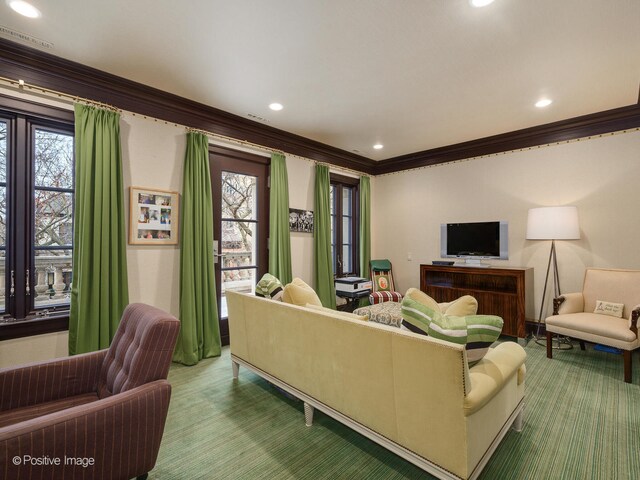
552	223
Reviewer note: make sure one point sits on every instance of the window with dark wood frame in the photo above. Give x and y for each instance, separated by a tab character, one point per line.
36	217
345	218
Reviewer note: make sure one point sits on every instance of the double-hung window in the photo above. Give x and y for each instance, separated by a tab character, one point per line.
36	217
345	209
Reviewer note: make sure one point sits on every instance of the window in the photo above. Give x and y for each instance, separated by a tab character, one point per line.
36	217
345	209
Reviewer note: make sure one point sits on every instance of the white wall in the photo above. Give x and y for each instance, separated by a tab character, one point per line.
597	175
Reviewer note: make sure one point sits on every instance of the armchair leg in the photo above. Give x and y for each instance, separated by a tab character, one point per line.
549	344
627	365
582	347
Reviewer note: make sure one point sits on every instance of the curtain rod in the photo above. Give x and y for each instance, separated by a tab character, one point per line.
21	85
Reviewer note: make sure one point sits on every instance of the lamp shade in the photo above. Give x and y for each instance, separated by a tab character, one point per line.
553	223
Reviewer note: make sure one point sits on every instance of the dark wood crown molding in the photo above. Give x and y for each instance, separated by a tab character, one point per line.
598	123
46	70
55	73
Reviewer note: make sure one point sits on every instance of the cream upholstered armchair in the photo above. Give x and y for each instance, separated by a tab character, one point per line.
605	312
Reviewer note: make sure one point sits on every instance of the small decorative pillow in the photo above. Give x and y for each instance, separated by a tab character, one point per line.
476	332
299	293
269	287
465	305
608	308
383	283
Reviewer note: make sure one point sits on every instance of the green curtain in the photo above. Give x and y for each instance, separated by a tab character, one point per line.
365	225
279	238
323	260
199	330
99	290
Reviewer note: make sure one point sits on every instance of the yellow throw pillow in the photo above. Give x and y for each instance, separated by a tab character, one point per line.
421	297
463	306
299	293
336	313
609	308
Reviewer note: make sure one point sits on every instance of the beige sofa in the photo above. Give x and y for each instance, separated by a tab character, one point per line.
410	393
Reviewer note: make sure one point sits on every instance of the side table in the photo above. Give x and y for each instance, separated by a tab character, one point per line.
352	300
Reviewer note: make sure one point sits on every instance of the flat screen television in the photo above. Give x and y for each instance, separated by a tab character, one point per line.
474	241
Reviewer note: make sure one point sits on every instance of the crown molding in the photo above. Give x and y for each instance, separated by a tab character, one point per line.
599	123
43	69
55	73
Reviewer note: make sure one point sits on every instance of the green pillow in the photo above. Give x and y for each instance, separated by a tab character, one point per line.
269	287
475	332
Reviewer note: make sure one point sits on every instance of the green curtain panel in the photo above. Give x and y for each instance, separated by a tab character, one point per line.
365	225
279	238
199	331
323	260
99	290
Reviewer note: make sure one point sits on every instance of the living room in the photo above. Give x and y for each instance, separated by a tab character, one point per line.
592	167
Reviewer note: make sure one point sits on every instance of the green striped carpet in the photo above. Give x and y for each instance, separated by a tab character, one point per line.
582	422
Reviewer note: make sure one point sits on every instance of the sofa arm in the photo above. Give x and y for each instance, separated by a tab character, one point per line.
491	374
120	434
42	382
568	303
633	319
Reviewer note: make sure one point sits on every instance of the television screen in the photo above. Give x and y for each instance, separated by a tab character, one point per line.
476	239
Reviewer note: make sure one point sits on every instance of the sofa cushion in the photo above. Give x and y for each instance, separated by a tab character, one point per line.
594	324
465	305
22	414
299	293
476	332
609	308
269	287
337	313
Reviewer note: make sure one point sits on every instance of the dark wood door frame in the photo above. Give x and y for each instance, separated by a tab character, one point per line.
230	160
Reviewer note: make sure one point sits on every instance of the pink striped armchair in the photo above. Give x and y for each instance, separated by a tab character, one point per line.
98	415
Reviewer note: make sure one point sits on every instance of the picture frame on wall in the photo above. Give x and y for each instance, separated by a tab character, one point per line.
153	216
300	220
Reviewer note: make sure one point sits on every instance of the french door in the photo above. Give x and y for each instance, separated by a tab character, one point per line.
240	223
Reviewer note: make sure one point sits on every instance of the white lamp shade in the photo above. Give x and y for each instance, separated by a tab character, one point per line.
553	223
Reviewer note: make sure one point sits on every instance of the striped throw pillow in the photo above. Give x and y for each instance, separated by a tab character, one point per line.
475	332
269	287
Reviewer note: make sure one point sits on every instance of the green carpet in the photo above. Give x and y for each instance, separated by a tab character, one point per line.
581	422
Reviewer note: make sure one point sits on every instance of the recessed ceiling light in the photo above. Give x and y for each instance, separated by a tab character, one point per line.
276	106
543	102
24	8
378	146
480	3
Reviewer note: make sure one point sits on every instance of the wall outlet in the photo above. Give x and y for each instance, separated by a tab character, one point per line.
409	257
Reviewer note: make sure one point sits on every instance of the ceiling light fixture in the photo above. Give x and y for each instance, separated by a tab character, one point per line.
543	102
24	8
276	107
378	146
480	3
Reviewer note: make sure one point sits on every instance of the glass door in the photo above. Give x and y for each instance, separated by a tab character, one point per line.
240	215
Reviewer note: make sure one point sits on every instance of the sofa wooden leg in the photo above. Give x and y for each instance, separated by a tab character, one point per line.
627	365
582	347
308	414
236	369
549	344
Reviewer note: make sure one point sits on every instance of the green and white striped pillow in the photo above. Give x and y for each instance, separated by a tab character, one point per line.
269	287
475	332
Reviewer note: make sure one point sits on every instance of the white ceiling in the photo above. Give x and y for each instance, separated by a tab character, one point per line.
410	74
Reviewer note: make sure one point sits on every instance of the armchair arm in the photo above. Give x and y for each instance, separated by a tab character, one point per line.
635	314
568	303
119	434
42	382
491	374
